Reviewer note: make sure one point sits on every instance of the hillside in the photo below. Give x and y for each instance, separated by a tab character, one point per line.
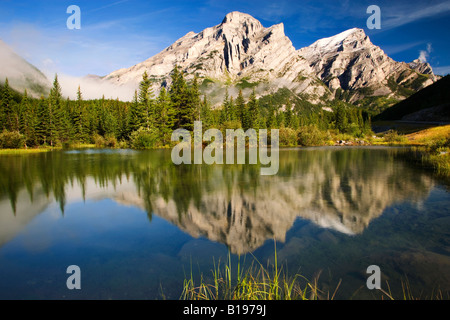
429	104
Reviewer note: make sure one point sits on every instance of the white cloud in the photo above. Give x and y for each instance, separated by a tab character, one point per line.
93	88
424	54
393	17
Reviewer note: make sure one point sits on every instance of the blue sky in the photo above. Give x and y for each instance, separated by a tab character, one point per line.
117	34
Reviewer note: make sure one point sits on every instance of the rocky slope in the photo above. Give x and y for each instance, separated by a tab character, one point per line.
240	53
349	61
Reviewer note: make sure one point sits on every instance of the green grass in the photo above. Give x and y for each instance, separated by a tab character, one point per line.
24	151
433	148
259	282
42	149
256	282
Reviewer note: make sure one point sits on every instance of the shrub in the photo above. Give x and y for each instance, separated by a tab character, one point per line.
99	141
123	144
144	139
111	141
393	136
288	137
311	136
12	140
439	145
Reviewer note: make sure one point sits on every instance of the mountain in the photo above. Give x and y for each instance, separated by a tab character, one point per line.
240	53
429	104
349	61
21	74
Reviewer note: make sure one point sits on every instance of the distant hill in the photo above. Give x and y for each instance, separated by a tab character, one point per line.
21	74
429	104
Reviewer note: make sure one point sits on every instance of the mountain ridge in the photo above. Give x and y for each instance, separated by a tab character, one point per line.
240	50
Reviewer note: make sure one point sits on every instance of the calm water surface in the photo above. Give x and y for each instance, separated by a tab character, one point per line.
137	225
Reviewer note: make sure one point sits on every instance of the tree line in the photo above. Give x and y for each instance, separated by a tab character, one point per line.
148	120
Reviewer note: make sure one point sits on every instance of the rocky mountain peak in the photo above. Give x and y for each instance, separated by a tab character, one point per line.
239	19
241	52
421	67
348	40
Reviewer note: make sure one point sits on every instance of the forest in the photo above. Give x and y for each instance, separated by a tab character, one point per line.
148	120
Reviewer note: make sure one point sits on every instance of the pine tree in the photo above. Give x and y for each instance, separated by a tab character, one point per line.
279	119
240	107
27	120
176	93
253	112
225	113
341	118
195	102
271	120
146	101
43	121
165	116
183	101
206	114
288	115
77	118
56	113
6	108
135	115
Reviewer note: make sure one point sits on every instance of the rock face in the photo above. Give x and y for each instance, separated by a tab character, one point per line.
421	67
350	61
241	52
239	49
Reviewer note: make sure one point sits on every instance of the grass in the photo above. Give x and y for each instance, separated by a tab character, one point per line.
24	151
256	282
433	148
429	136
42	149
431	145
259	282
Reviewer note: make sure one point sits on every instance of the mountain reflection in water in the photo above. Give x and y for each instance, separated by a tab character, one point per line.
337	188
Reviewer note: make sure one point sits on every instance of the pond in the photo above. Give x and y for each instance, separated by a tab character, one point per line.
137	225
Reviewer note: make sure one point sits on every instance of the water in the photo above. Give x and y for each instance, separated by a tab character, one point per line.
137	225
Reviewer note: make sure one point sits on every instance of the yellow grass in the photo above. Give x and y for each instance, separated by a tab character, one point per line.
23	151
428	136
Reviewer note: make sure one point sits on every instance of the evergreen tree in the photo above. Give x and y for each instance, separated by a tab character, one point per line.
43	121
206	115
135	115
165	116
225	114
253	112
341	118
6	108
59	124
27	120
77	118
271	121
64	125
183	101
288	115
146	101
240	107
194	100
54	103
233	110
121	116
